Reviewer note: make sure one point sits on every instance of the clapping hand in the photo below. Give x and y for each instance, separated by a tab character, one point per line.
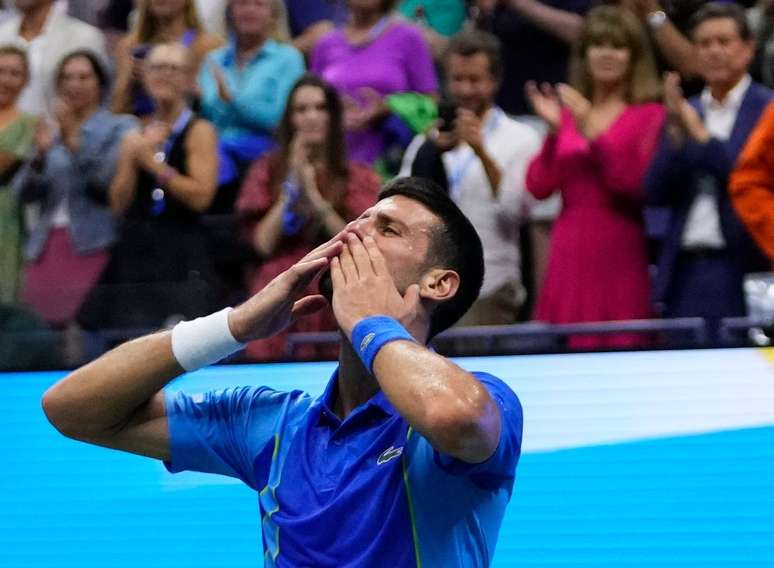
578	105
224	93
360	115
467	127
299	162
149	143
683	119
69	126
363	287
545	102
43	136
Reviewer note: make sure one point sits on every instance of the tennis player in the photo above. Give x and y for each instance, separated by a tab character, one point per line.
404	460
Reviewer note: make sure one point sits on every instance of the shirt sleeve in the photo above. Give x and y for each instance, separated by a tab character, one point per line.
230	432
502	464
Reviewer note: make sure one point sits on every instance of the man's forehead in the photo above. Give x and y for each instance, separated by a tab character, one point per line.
408	211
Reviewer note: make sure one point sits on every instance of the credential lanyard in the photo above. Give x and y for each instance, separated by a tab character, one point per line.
459	172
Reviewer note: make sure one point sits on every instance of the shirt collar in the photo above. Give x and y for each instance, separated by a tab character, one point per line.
54	15
733	99
325	402
229	55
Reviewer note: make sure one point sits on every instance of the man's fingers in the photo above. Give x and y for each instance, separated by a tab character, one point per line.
307	305
360	256
377	259
337	276
328	249
305	271
348	264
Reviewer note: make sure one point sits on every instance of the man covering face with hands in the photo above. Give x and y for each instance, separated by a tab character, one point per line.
405	459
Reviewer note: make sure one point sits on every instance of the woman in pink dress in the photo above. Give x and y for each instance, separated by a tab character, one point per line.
603	132
300	196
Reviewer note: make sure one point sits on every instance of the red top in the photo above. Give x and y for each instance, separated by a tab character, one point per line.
255	199
597	267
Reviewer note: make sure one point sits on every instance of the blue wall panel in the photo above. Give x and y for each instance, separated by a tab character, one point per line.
640	459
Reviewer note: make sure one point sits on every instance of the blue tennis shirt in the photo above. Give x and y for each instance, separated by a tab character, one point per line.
368	491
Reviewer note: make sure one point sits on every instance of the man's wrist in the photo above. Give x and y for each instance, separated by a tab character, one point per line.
372	333
700	134
204	341
237	324
479	149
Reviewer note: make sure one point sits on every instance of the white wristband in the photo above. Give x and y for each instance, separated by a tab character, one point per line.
203	341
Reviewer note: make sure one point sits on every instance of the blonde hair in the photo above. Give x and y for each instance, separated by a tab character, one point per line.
611	25
145	25
280	28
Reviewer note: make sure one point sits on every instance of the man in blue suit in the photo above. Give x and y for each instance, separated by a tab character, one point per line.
707	251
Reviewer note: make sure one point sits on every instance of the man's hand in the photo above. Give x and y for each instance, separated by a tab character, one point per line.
363	287
444	140
283	300
683	120
545	102
467	127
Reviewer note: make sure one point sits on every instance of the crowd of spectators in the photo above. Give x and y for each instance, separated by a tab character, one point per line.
162	158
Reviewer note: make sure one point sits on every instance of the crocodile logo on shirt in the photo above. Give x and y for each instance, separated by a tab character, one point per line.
389	454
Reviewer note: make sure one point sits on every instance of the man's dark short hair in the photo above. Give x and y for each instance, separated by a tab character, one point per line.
717	10
468	43
454	245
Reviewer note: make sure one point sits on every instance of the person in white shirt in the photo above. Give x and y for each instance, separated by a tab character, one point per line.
480	155
707	251
48	34
212	15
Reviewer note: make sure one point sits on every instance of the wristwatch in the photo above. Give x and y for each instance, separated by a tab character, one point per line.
656	19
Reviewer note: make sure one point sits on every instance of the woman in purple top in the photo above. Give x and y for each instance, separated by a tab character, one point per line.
372	56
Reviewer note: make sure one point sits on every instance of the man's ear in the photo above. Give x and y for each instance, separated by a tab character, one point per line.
439	285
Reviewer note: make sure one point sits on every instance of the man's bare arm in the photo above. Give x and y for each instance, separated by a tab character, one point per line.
560	23
117	400
444	403
677	49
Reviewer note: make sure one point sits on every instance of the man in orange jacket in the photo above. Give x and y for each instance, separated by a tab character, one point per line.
752	183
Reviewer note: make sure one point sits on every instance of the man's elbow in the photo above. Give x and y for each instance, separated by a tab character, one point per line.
467	429
58	413
64	416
